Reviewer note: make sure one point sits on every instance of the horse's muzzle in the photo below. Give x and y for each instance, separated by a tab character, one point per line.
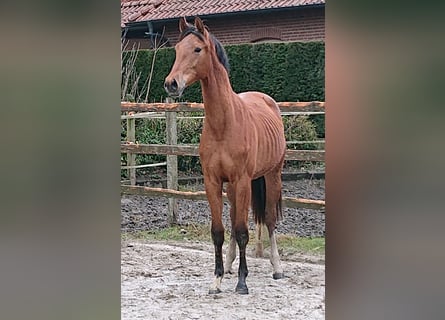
172	88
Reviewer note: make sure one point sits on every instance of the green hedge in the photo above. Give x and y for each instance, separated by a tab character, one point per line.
292	71
286	71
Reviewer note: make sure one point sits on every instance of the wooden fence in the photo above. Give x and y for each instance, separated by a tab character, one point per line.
172	150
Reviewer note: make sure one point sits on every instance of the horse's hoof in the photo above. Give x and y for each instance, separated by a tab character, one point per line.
278	275
242	290
214	291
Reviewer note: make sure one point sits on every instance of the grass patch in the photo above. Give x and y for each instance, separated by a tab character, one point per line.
298	244
201	232
196	232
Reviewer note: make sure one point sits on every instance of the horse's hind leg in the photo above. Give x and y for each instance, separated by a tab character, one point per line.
275	256
258	241
231	254
231	251
273	211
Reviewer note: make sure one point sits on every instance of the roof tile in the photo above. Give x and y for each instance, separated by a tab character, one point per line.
142	10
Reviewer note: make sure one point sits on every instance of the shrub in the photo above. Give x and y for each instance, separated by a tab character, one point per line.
291	71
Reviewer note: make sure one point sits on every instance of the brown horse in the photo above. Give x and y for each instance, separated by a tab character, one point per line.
242	144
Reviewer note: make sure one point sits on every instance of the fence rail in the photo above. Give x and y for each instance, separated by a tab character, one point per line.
201	195
192	150
313	106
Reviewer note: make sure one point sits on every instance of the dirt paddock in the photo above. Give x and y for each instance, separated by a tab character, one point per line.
170	280
146	213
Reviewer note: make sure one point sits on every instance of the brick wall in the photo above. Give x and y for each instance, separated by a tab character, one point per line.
293	25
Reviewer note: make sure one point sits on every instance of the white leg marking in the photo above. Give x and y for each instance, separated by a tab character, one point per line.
259	243
230	256
215	287
274	256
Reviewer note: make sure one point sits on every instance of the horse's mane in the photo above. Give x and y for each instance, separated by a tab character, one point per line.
220	52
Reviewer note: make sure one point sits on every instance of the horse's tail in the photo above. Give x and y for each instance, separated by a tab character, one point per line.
259	200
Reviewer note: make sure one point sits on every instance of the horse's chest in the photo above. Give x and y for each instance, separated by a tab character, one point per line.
224	161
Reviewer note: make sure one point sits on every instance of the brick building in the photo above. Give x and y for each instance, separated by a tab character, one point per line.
145	23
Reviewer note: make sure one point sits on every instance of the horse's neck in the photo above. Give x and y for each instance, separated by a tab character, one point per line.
218	98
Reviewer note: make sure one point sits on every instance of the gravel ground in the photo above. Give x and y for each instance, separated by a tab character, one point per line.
143	213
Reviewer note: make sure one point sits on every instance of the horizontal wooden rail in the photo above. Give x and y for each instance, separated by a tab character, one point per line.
193	150
178	150
305	155
151	165
162	115
313	106
201	195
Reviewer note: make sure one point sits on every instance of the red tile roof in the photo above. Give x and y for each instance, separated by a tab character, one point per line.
143	10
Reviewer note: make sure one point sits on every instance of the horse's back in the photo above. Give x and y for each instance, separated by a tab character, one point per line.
260	102
263	110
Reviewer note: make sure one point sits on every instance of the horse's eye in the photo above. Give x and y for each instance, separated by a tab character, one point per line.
197	49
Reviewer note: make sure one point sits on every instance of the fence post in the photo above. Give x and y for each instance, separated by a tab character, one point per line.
131	157
172	164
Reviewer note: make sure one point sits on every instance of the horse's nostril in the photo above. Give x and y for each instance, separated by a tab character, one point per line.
174	85
171	86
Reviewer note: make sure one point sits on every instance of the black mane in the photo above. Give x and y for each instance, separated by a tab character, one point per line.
220	52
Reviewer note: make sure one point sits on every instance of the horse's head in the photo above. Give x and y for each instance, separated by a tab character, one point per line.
195	56
192	57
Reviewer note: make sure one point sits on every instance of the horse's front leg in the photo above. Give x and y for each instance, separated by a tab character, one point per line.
243	198
214	196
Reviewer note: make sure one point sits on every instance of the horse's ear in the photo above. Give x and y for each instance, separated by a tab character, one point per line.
200	25
182	24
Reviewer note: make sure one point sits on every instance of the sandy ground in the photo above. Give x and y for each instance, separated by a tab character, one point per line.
170	280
